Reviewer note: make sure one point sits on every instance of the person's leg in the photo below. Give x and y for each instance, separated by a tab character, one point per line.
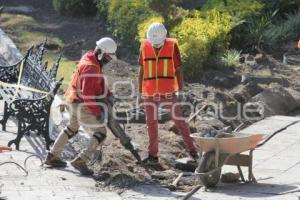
70	131
180	123
152	125
97	131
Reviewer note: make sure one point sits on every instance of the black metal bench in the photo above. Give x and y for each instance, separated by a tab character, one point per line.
28	90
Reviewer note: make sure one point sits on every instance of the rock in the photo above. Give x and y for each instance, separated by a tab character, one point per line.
259	58
222	79
186	164
275	101
217	96
242	59
249	60
266	80
295	94
243	93
230	177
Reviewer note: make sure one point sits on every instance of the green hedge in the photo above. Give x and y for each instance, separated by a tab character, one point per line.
199	37
237	8
102	7
75	7
124	17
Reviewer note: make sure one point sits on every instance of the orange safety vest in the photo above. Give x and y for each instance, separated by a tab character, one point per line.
159	76
71	93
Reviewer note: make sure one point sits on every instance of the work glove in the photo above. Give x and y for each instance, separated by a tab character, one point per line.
181	96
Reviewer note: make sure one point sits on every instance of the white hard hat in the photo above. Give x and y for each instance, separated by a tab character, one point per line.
156	33
107	45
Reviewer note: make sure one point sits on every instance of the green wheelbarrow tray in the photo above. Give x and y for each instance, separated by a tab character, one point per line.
218	152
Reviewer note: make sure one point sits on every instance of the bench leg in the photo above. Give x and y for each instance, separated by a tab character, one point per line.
6	114
18	138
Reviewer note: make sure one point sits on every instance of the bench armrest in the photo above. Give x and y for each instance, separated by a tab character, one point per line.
31	107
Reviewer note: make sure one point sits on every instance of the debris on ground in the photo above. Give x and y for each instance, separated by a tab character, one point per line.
259	79
230	177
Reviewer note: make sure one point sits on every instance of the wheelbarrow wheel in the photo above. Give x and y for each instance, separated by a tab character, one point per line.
210	176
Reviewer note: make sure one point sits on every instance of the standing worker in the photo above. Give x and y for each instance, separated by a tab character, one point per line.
86	86
160	78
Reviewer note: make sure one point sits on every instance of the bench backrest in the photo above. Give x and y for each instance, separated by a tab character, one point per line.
31	75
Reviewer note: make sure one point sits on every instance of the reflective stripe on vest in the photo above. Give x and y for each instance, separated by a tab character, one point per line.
159	72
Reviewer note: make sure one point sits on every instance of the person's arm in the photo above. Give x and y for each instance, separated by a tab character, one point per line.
178	68
179	76
299	44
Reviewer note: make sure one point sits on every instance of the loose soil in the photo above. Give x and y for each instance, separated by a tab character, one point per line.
117	170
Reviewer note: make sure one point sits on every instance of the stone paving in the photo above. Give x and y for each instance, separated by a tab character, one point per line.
276	167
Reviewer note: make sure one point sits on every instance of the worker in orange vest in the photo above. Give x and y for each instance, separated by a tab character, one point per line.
87	85
160	78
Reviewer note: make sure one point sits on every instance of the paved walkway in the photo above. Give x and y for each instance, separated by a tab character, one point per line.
42	183
277	169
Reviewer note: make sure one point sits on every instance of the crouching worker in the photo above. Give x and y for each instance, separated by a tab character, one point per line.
86	86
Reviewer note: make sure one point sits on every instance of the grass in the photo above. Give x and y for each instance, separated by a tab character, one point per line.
66	67
22	30
231	58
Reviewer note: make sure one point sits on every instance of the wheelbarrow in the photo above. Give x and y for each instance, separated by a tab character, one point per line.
217	152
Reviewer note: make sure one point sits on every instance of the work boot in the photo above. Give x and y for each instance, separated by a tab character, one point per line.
194	155
151	161
54	161
79	164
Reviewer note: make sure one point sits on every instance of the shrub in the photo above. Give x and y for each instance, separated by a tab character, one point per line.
287	30
75	7
231	58
283	6
163	7
237	8
102	8
250	33
124	17
169	10
199	36
143	27
191	4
